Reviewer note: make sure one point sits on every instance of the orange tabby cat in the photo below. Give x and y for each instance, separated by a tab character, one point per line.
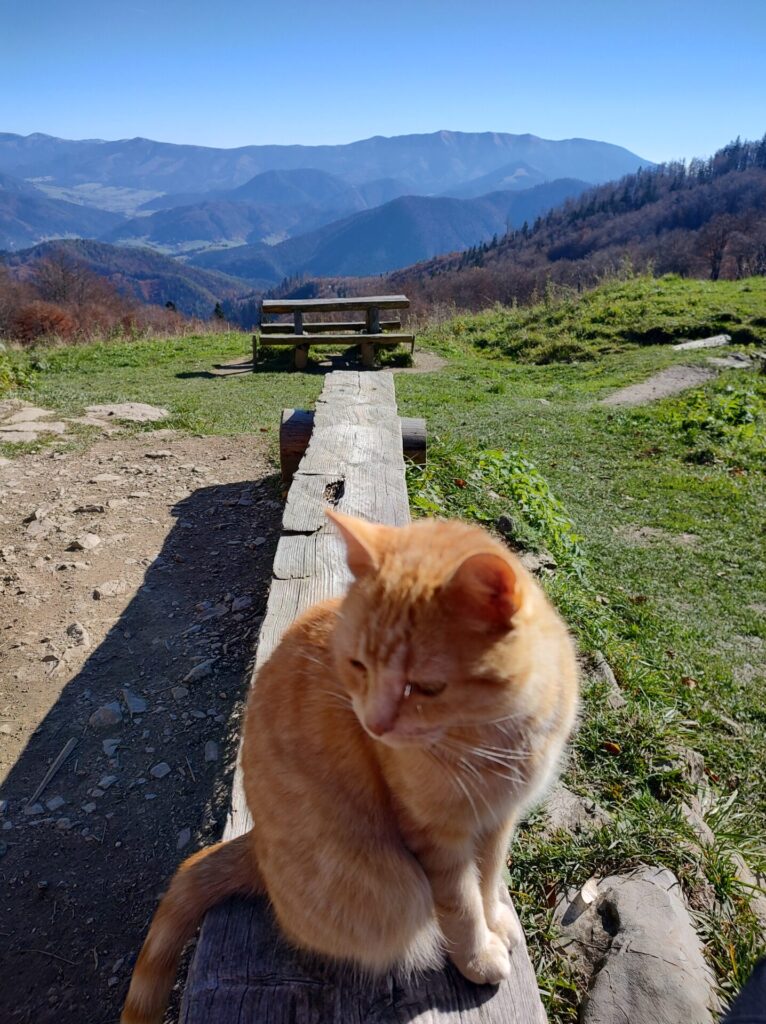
391	742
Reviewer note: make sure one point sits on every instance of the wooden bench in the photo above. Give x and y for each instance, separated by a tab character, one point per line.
243	971
367	333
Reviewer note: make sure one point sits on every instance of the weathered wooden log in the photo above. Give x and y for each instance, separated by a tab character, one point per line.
243	971
295	433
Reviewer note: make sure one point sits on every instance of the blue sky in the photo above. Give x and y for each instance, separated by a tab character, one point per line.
665	79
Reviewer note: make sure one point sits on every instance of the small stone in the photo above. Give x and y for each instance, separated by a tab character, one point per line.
572	813
89	808
106	781
105	478
259	541
200	671
506	526
139	494
3	806
106	715
55	802
110	746
7	729
32	809
538	561
162	453
136	705
135	412
184	838
179	692
111	982
3	849
64	824
160	770
91	508
96	792
240	603
79	634
111	588
211	751
85	542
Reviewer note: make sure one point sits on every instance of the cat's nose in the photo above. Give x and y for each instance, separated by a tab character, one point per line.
380	726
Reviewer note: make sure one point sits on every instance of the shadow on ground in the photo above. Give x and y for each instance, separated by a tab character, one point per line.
80	877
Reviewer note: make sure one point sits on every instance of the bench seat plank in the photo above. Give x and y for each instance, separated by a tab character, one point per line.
328	327
334	305
349	338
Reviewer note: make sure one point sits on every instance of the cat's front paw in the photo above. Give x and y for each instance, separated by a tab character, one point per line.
489	966
503	922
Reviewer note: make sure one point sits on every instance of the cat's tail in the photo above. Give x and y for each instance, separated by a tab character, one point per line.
202	881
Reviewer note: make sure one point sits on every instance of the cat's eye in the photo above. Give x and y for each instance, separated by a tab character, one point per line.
426	689
358	665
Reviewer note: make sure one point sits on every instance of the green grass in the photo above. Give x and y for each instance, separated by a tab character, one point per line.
638	311
681	619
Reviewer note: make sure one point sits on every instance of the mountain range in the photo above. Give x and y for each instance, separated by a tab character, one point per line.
263	213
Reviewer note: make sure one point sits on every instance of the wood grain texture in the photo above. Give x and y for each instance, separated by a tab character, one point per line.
269	306
243	971
329	327
338	338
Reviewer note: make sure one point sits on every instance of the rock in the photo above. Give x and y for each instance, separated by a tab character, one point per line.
163	453
111	588
179	692
55	803
7	729
134	412
691	764
259	541
506	526
3	806
136	705
79	634
200	671
538	561
240	603
106	715
634	936
90	509
715	342
11	436
105	478
85	542
110	746
40	528
755	886
32	809
601	669
160	770
106	781
89	808
29	413
64	824
211	751
64	566
572	813
184	838
692	813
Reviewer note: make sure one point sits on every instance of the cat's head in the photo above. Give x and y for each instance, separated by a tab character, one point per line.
426	636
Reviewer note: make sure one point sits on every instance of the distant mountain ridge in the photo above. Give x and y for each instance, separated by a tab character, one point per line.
27	215
425	163
403	231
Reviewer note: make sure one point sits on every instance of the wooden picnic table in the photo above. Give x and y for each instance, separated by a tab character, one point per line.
367	333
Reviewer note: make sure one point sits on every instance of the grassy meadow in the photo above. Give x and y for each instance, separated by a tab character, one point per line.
654	516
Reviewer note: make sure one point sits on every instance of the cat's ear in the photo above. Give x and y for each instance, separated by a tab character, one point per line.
362	541
485	589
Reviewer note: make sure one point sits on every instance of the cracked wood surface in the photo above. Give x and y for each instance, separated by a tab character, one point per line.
243	971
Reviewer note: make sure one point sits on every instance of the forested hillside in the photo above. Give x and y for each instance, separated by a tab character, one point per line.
703	219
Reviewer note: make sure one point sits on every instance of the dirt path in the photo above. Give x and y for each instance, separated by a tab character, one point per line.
667	382
132	581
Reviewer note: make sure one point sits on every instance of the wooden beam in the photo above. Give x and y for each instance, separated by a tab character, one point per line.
295	433
269	306
336	339
243	971
328	327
